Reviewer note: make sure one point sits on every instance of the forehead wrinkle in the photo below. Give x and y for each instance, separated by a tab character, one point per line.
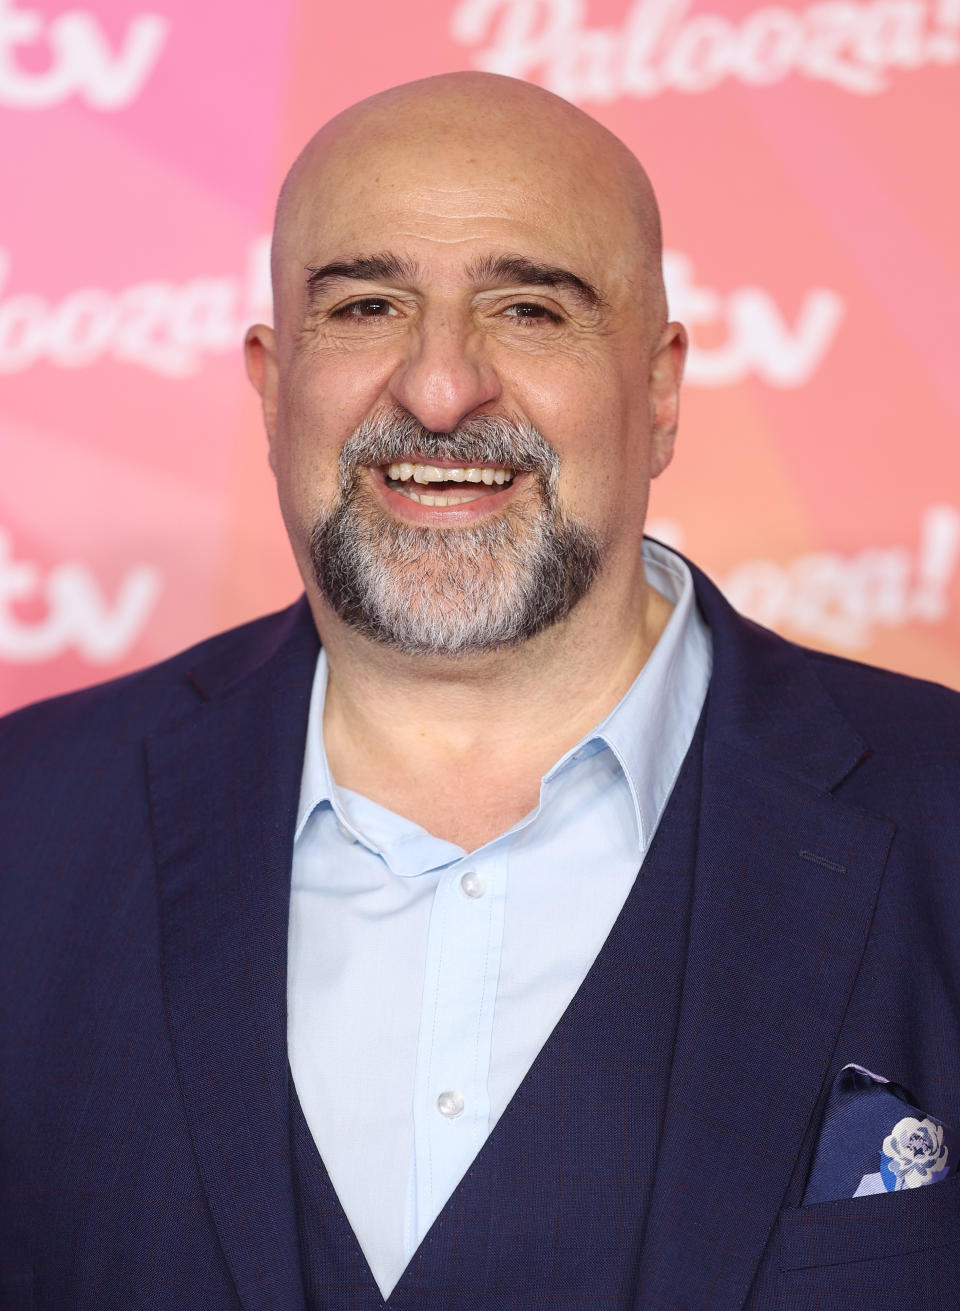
493	125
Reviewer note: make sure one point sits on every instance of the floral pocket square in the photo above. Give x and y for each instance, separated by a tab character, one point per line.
874	1140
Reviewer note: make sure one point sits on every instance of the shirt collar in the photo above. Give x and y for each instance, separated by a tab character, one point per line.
651	727
406	848
648	731
316	784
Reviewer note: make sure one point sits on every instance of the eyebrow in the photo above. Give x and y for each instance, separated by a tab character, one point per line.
520	269
384	267
495	269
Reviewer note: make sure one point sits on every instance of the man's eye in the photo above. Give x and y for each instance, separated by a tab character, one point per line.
526	310
371	307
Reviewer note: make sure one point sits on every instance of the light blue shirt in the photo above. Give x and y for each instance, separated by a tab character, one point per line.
423	980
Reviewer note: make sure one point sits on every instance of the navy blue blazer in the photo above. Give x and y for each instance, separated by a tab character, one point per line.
146	831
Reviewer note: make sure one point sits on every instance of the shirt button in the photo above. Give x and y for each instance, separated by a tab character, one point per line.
450	1104
472	884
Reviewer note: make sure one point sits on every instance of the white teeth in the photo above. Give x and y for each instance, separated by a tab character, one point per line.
427	473
431	473
425	498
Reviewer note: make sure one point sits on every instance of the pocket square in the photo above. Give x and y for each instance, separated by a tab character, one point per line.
874	1140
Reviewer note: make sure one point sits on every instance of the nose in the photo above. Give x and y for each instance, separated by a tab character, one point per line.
445	376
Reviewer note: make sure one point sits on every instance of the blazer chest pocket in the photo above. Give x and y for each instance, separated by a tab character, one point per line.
888	1252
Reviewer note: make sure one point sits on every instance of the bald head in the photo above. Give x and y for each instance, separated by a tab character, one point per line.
465	139
468	250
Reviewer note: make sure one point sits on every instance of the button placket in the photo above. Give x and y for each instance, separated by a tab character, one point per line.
472	884
451	1103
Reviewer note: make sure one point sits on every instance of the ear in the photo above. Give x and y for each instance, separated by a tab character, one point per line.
260	354
666	374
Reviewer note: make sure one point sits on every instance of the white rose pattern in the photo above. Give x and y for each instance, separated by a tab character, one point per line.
915	1152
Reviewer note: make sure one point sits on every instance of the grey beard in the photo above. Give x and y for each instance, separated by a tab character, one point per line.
451	591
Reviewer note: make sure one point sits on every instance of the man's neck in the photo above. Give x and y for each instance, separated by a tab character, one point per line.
459	746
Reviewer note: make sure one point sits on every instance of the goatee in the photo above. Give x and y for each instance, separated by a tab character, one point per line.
452	591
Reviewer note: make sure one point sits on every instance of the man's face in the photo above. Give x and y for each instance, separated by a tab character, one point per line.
464	387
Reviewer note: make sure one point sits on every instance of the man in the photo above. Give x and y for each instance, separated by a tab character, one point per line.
329	978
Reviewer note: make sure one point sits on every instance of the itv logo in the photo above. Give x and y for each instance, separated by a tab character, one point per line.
79	59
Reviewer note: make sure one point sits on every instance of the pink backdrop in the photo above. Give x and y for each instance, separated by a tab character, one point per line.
805	155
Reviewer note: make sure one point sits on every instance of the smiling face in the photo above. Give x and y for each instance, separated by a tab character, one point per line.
497	579
471	369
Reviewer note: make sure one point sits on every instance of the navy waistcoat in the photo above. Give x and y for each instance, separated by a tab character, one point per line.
552	1211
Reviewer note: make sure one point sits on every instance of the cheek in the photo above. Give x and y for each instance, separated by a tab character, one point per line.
336	387
305	465
315	417
604	472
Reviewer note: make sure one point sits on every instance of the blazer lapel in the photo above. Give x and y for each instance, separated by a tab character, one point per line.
786	881
224	792
785	886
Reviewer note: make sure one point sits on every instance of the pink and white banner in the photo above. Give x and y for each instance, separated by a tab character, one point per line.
805	157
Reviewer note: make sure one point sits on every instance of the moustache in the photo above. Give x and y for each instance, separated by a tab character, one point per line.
485	440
